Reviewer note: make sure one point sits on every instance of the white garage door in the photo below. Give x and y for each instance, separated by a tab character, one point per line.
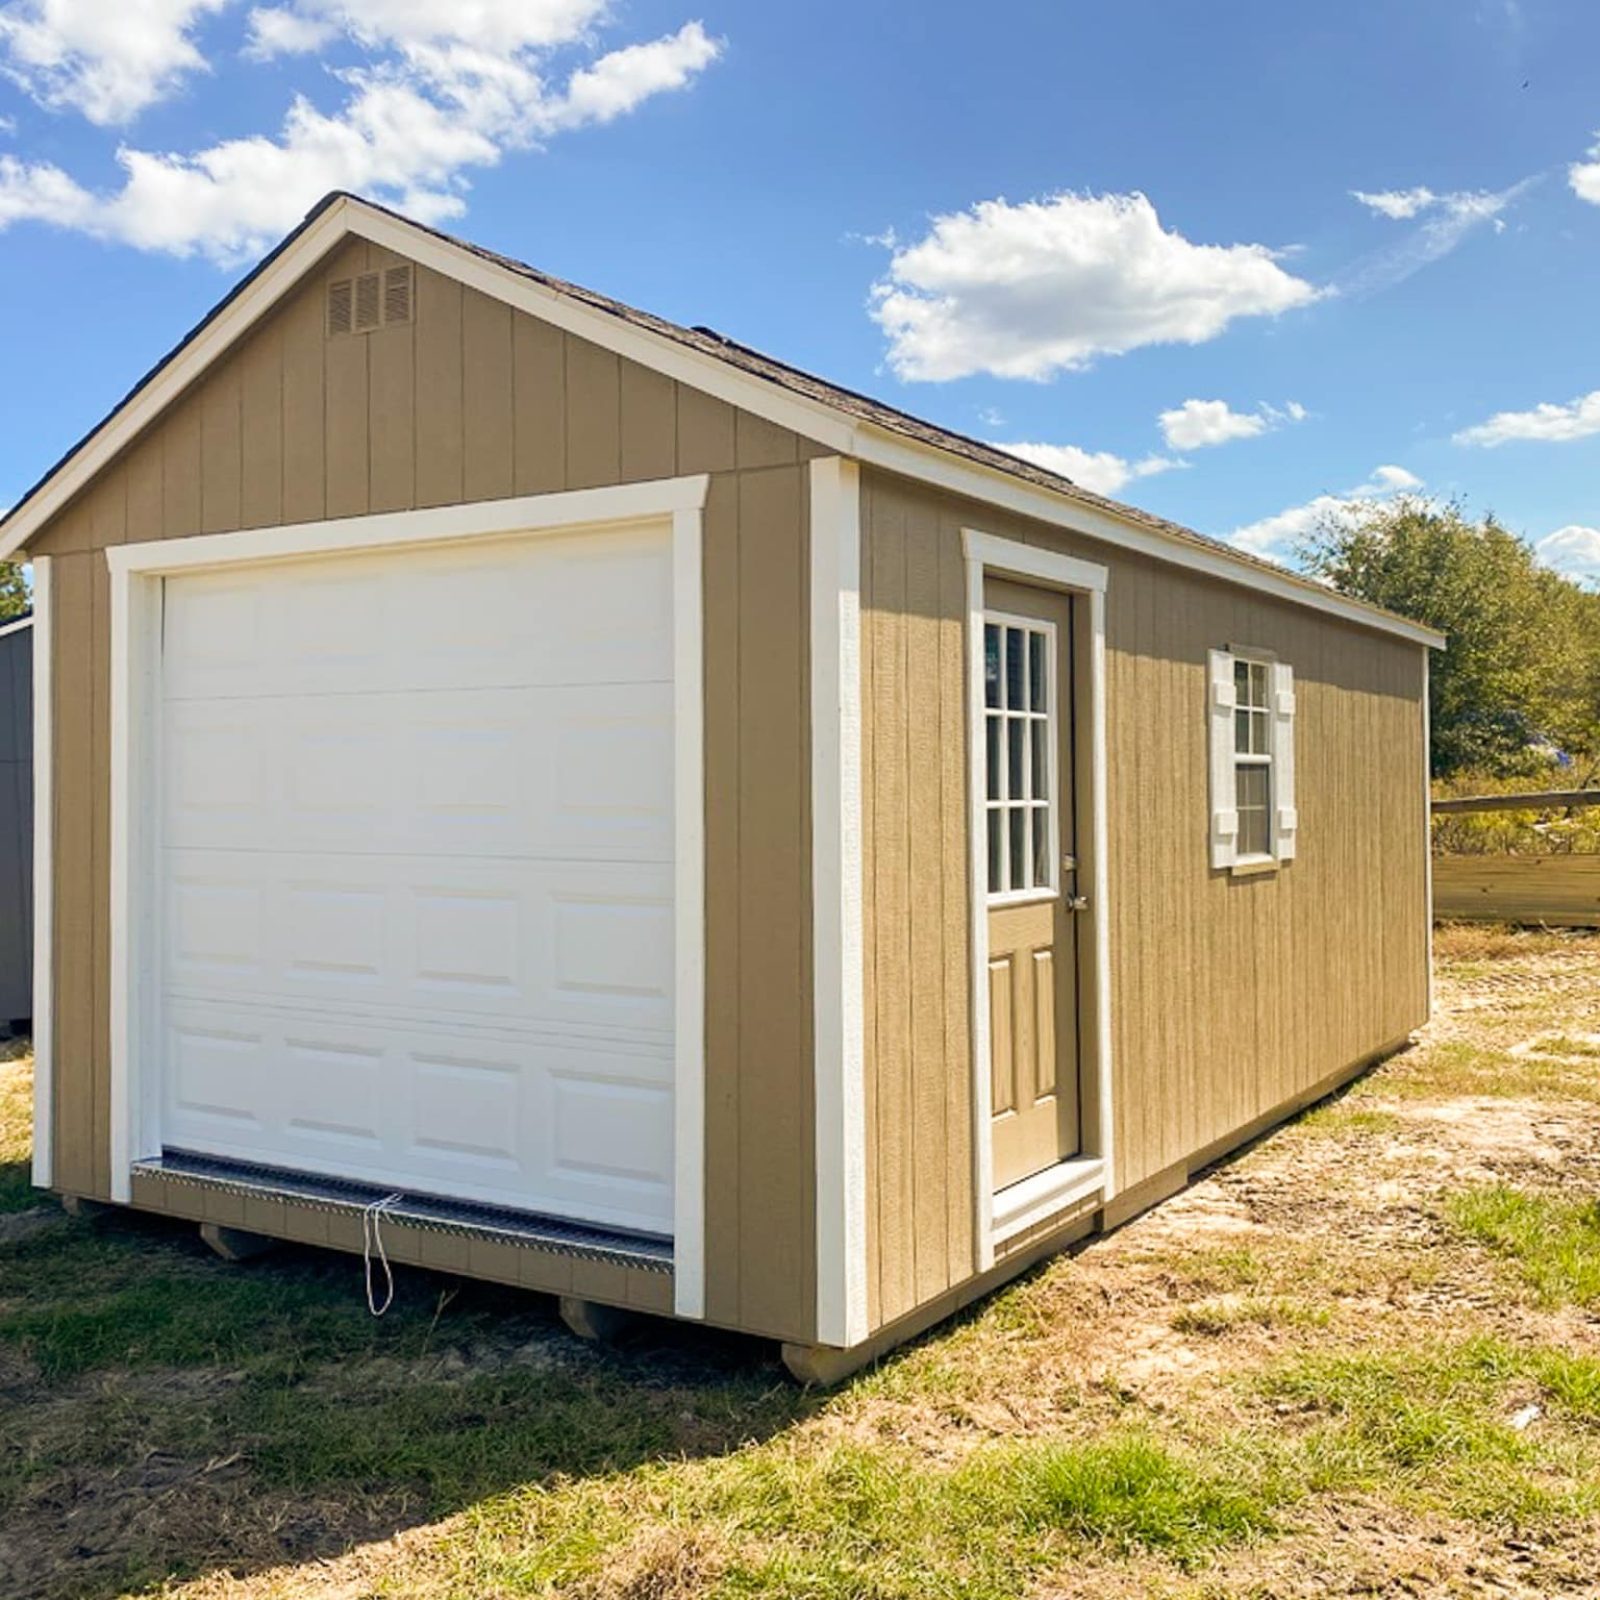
417	862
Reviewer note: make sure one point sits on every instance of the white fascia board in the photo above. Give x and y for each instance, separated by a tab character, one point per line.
207	347
19	626
673	359
881	448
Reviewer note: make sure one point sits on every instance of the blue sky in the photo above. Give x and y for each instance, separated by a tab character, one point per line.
1236	264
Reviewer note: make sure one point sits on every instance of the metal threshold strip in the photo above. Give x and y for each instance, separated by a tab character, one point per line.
464	1218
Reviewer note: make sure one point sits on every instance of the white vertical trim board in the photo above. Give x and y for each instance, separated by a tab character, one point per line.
689	901
839	1026
1093	1174
44	899
138	573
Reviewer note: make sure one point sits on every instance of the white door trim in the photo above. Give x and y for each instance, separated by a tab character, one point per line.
838	975
44	898
136	589
1072	1182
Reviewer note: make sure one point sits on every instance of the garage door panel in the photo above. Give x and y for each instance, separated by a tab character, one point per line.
579	1128
593	608
581	772
518	942
417	861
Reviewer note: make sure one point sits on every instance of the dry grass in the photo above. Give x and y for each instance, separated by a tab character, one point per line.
1359	1359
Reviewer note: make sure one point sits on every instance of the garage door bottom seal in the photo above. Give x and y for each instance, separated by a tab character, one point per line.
462	1218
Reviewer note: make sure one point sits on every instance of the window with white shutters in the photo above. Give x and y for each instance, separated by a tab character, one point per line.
1251	715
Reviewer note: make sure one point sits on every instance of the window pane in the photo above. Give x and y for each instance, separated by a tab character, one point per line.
1041	761
1015	669
991	664
1019	848
997	881
1241	683
1260	732
1241	732
1258	683
1015	729
1253	791
992	728
1036	673
1041	846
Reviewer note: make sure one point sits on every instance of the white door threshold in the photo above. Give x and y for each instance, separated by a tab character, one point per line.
1062	1187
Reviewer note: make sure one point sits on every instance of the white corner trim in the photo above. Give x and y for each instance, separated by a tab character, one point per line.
539	513
837	970
136	599
44	899
20	625
987	553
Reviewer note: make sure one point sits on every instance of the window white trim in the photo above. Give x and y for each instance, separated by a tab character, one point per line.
1062	1186
44	898
815	419
838	972
136	588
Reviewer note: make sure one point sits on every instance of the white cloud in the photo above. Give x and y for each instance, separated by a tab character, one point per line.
444	89
1277	537
1448	219
1099	471
106	60
277	32
1198	424
1584	176
1026	291
1573	551
1397	204
1551	424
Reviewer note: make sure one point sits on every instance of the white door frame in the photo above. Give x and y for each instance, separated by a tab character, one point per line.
1090	1175
137	571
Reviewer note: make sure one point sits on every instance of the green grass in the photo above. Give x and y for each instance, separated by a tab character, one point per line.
1341	1119
1553	1241
846	1521
1432	1426
1212	1318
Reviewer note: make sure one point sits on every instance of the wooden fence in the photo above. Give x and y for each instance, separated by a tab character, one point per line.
1558	891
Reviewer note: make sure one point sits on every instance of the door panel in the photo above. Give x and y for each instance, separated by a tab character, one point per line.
1033	956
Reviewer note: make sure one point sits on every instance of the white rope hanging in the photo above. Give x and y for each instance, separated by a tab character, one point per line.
372	1241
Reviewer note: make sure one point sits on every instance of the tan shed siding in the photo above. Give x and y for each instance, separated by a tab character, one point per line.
474	401
1230	996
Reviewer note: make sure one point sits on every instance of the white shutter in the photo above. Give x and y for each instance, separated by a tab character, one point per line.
1286	821
1224	797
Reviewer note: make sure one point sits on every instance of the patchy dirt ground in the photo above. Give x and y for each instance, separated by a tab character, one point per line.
1353	1360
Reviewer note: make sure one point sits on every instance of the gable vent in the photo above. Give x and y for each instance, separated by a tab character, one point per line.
341	316
397	294
371	300
367	301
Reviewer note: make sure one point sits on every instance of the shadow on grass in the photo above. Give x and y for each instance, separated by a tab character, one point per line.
168	1415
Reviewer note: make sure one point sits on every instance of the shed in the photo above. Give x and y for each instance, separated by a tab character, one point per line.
684	836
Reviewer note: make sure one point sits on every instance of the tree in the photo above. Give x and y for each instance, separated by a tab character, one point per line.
1522	668
15	596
